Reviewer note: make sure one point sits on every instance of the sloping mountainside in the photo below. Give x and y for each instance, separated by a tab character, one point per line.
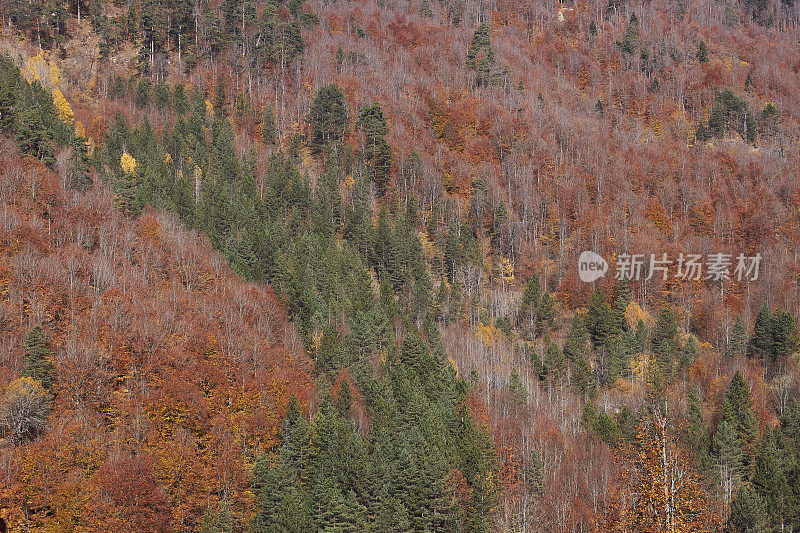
287	266
157	370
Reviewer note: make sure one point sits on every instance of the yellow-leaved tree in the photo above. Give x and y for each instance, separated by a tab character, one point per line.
24	409
63	108
128	164
37	68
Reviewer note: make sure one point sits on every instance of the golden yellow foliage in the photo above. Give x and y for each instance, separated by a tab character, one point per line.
128	164
634	313
167	158
65	113
37	68
639	365
79	129
349	181
453	364
25	385
198	174
487	333
24	408
506	268
209	108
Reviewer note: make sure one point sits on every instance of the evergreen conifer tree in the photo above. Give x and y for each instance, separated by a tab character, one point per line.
37	353
328	116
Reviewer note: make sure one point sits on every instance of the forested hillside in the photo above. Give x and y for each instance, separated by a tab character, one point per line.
313	266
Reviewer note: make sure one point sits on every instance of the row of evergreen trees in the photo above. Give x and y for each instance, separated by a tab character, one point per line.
604	329
319	247
355	281
769	496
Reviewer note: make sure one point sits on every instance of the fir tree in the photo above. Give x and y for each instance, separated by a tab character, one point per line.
268	134
531	296
621	300
545	314
328	116
626	423
701	133
536	364
9	76
730	111
598	107
534	474
128	188
588	416
728	452
747	511
665	342
516	388
583	378
162	96
748	82
784	334
576	344
142	96
180	100
480	56
425	9
37	354
282	503
761	341
377	153
702	52
553	364
773	499
606	429
631	39
738	410
618	354
697	437
600	320
689	352
217	520
32	136
344	399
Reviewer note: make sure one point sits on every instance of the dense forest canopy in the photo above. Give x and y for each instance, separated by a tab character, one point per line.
275	265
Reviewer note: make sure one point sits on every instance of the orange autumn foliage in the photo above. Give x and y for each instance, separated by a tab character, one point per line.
172	373
657	490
